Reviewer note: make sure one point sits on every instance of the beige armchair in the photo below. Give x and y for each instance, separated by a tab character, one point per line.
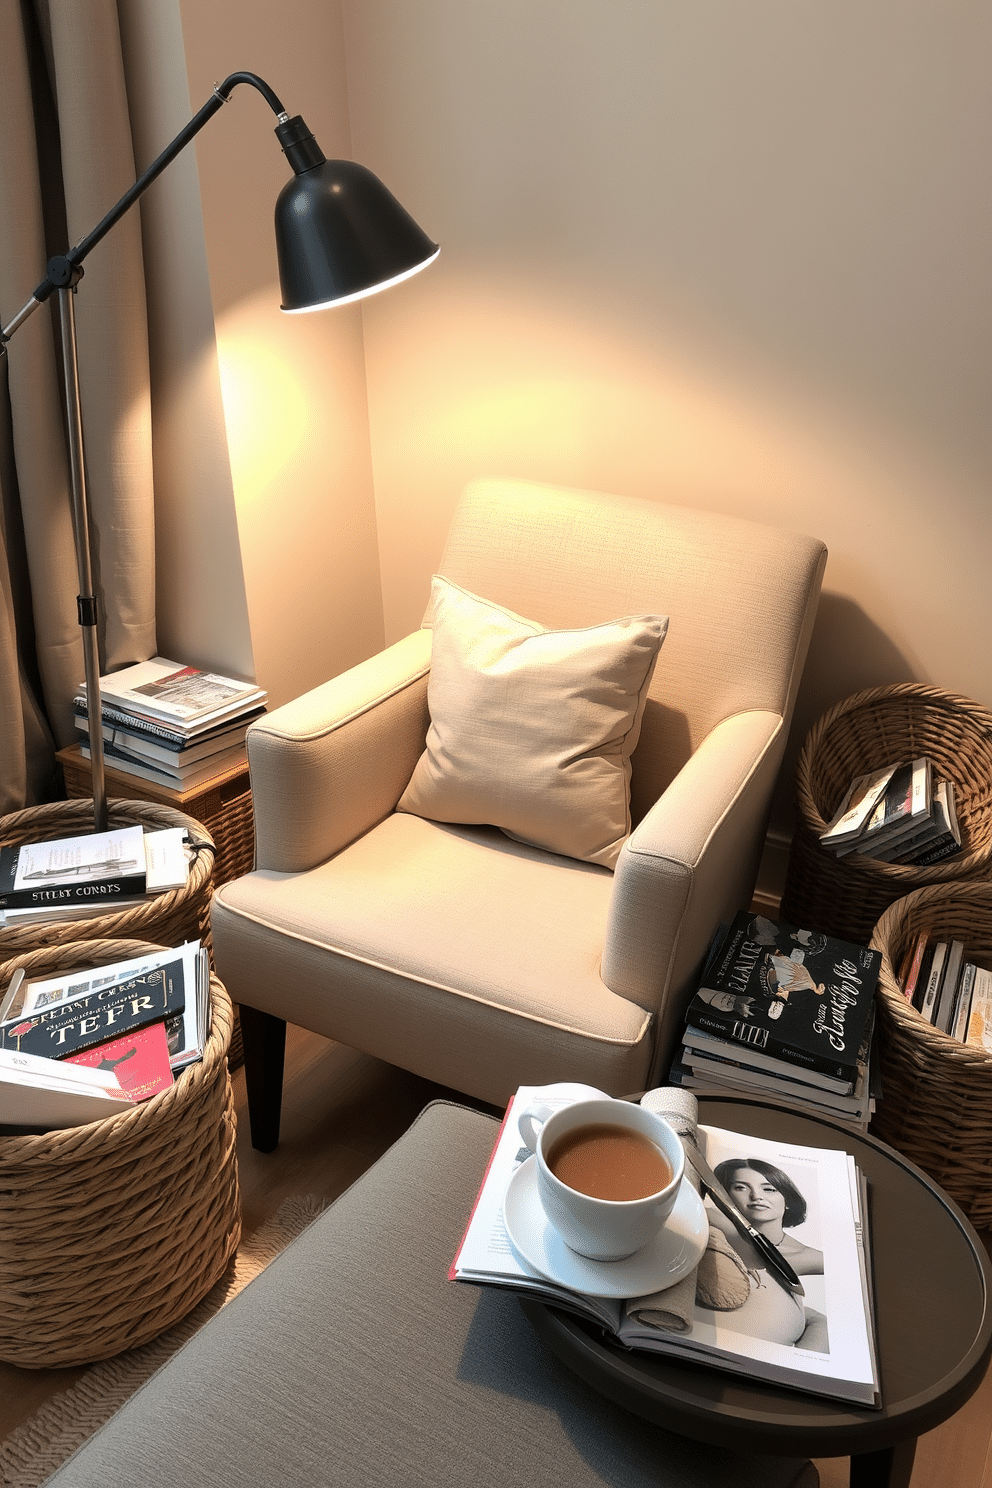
455	951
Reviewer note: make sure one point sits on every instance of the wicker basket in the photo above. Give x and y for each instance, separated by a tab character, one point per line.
846	896
936	1105
112	1232
224	806
167	919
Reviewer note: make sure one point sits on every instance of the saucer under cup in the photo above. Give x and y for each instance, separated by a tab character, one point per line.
671	1255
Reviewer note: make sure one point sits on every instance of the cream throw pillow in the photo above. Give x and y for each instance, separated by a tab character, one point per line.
532	730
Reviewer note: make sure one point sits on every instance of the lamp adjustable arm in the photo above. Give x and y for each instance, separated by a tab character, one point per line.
63	274
340	235
65	270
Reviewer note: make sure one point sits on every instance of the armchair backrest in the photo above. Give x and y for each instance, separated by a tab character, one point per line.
741	598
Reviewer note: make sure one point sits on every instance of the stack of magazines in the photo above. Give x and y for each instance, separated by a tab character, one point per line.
87	1043
173	725
897	814
787	1014
813	1208
97	873
947	986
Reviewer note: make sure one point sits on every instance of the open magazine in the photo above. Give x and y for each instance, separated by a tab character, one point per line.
41	1094
823	1344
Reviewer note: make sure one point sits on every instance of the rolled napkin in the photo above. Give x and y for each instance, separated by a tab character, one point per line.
720	1280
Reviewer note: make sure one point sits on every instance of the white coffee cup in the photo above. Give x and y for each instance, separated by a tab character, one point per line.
601	1229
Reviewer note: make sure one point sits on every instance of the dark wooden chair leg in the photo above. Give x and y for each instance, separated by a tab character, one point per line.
264	1039
890	1468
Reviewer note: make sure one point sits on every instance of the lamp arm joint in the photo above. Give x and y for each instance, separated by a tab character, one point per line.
223	90
71	262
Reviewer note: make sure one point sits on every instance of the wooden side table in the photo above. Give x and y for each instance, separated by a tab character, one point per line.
933	1286
222	804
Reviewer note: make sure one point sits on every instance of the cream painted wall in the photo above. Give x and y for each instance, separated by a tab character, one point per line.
732	256
292	387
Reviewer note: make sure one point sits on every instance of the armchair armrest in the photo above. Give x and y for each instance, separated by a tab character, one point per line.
690	863
328	766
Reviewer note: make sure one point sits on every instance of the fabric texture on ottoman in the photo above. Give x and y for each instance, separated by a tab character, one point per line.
353	1361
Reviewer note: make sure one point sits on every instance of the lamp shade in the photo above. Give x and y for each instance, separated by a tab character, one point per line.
340	234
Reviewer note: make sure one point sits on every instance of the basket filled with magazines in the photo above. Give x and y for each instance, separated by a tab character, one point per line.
845	895
936	1103
113	1229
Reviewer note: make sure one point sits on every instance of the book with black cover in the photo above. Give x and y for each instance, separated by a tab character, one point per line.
93	868
902	811
930	995
114	889
706	1043
947	1003
795	994
102	1014
945	839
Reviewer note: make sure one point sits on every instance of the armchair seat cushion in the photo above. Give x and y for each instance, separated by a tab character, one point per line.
371	945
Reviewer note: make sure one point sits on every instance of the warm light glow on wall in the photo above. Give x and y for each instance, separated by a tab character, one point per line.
502	377
266	396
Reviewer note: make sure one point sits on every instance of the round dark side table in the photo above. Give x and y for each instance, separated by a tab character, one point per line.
933	1287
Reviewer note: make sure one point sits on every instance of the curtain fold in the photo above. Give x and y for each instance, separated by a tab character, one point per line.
65	158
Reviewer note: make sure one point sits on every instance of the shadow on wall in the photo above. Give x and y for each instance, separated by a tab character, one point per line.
848	653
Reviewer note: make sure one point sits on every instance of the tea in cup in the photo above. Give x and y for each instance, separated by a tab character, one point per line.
608	1173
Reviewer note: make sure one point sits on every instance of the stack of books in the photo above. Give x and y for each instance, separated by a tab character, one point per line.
898	814
784	1014
949	989
97	873
86	1043
173	725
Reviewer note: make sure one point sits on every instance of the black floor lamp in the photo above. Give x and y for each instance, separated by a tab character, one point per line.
340	235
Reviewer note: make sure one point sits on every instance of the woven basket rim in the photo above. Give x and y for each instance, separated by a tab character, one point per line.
922	692
17	826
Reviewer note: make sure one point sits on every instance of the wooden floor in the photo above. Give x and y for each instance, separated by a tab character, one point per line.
341	1111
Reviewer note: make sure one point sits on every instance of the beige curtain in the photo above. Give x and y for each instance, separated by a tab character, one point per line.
65	158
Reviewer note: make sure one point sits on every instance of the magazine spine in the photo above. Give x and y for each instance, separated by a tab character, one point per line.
140	725
936	852
736	1030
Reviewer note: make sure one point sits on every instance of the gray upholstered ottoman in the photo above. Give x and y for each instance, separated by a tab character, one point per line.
353	1360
